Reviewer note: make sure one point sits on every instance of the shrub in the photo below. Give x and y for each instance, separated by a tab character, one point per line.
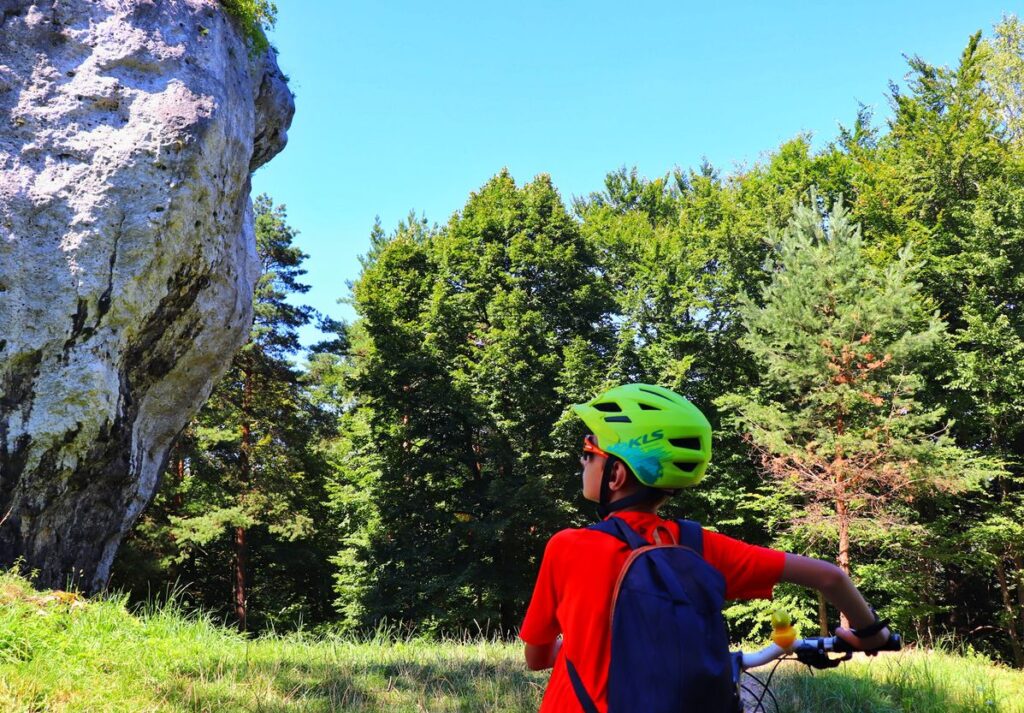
255	17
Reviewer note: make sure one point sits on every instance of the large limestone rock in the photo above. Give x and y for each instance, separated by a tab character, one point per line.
128	130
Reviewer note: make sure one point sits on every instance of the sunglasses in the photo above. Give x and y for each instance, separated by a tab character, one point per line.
590	448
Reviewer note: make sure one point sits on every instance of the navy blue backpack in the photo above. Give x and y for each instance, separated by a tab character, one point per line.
670	646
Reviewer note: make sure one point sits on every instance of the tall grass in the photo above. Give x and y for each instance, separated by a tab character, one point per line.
59	654
98	656
918	681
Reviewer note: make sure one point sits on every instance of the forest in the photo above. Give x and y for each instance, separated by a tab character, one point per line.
848	312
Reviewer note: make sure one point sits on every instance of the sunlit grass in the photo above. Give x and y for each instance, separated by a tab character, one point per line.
97	656
911	681
61	655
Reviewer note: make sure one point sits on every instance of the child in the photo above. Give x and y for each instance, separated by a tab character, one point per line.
646	442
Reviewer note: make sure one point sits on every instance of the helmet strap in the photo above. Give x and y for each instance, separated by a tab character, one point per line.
604	507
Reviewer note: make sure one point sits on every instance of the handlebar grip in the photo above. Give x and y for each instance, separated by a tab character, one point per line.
841	647
895	643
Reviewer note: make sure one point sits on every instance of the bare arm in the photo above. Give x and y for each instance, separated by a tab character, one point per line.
540	657
840	591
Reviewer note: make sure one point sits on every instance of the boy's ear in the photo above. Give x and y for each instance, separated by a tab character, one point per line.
620	476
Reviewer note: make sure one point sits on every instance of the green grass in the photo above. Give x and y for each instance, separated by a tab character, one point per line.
96	656
58	655
911	681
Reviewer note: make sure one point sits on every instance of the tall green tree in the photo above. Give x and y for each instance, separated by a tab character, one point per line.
989	372
472	340
948	178
678	252
1004	69
837	415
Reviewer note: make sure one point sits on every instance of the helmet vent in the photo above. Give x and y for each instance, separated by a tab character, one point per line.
692	443
648	407
688	467
608	407
655	393
618	419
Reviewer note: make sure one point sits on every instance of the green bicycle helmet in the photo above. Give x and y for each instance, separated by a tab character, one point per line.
663	438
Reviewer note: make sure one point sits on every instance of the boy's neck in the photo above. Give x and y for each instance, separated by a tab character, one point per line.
650	506
650	509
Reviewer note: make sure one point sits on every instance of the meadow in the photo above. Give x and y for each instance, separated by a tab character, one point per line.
59	652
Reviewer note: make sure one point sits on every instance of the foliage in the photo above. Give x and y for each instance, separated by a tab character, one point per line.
255	18
937	196
947	179
459	376
1003	71
839	345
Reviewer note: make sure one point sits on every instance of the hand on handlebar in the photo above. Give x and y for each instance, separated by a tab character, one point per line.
870	645
816	650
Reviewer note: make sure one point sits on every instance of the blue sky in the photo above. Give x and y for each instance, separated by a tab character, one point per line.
407	105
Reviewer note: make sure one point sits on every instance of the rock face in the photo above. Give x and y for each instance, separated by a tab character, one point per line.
128	130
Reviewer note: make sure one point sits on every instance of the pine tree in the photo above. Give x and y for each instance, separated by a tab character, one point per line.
840	346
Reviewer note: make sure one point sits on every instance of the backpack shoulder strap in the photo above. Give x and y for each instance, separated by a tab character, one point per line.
586	702
620	530
691	535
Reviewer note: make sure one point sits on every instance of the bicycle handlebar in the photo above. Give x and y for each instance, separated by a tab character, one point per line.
814	651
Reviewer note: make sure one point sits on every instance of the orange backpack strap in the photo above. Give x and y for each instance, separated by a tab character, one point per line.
663	536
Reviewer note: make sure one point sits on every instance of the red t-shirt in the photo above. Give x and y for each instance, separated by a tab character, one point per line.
574	589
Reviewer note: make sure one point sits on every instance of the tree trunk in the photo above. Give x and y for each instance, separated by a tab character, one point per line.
822	615
180	473
843	516
1011	615
842	511
1018	563
953	596
177	503
245	472
241	564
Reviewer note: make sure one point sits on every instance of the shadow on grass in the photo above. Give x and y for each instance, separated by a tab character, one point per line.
276	686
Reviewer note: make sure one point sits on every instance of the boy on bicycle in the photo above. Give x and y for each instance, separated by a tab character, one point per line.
646	442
